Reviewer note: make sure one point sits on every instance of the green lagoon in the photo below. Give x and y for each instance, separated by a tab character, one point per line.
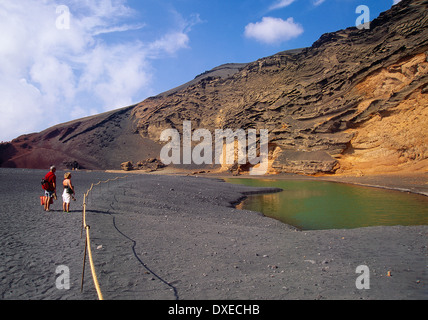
318	205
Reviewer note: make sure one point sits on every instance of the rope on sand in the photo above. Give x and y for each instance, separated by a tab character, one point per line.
88	240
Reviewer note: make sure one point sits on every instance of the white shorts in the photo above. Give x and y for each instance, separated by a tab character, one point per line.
66	197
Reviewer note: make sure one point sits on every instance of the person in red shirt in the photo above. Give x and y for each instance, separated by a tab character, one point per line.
50	192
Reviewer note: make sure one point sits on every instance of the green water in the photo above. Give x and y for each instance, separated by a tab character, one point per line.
316	205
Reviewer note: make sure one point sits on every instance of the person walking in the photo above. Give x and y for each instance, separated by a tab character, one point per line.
50	191
68	193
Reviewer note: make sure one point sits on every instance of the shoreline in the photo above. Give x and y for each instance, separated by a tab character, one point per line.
410	183
404	182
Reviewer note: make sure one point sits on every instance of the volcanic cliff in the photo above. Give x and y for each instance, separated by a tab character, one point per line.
354	102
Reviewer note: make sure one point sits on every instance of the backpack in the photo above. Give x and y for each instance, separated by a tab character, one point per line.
45	184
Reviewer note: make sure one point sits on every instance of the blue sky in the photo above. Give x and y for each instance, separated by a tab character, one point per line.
65	59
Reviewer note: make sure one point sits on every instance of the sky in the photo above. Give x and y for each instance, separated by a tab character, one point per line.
62	60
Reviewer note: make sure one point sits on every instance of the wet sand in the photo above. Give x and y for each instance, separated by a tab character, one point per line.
180	238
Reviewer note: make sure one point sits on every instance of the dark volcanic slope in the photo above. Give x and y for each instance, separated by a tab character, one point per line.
97	142
353	102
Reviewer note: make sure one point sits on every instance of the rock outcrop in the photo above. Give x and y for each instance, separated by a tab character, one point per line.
151	164
127	166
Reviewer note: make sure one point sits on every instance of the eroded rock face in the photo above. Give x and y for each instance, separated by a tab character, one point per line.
151	164
127	166
355	96
354	102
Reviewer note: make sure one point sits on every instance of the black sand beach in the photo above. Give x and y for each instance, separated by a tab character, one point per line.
180	238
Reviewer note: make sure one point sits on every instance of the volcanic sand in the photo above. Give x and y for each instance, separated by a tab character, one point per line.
180	238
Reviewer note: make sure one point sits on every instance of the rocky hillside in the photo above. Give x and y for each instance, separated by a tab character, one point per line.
354	102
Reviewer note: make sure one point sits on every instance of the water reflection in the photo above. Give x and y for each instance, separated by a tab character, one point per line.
311	205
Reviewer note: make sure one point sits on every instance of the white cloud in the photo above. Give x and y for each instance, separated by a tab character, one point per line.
280	4
170	43
273	30
22	117
121	28
394	2
49	75
318	2
113	75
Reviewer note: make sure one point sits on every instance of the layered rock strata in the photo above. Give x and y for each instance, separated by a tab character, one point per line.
354	102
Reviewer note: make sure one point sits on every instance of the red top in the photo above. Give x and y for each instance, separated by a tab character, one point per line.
51	178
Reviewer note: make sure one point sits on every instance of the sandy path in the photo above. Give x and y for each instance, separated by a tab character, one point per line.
34	243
